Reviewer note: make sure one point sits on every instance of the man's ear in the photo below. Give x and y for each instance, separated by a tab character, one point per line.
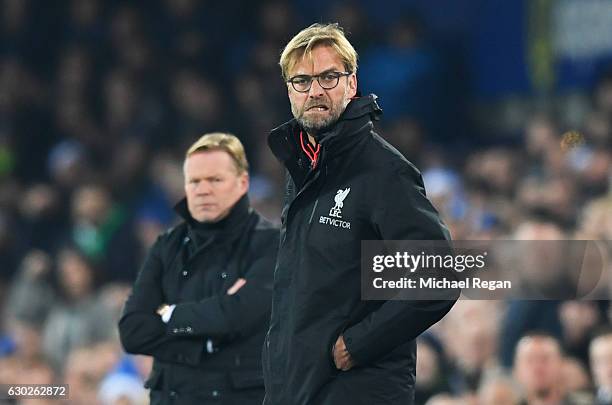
244	182
352	85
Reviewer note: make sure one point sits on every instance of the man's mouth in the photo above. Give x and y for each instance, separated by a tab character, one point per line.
319	107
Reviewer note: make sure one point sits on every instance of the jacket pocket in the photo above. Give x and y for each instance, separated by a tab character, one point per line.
246	379
331	344
330	347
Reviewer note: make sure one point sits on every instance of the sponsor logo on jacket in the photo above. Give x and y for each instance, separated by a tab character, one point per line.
335	212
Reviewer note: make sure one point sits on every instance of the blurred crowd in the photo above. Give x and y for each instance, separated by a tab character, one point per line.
99	101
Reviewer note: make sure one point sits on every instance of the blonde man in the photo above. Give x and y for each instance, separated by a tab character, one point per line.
345	184
202	298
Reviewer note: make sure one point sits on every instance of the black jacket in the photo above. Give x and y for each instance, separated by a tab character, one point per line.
193	265
317	278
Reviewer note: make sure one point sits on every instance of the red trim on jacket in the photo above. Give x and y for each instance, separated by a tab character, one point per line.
312	153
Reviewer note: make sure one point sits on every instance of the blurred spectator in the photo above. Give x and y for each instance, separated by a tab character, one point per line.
541	138
575	376
31	291
405	72
354	19
579	319
499	390
71	315
199	104
431	368
122	389
27	341
102	230
601	366
68	165
471	335
43	217
538	369
596	220
86	20
83	374
523	316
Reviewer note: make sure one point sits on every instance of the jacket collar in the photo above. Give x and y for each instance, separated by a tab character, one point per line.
358	115
231	224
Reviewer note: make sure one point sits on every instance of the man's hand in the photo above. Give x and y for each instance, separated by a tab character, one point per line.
162	309
165	312
237	286
342	358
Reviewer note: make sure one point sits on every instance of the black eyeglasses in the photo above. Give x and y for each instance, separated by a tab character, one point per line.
327	80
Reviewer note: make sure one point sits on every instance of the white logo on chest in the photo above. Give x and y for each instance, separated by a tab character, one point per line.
336	211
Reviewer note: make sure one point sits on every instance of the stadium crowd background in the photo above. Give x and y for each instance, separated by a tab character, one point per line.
100	99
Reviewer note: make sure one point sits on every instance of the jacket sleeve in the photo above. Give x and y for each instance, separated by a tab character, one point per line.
141	330
226	316
409	216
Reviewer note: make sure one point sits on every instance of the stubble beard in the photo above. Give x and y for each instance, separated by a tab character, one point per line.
317	125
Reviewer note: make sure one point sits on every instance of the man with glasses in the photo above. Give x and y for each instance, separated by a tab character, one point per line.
345	184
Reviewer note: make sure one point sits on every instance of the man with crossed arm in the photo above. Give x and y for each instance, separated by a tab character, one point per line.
201	302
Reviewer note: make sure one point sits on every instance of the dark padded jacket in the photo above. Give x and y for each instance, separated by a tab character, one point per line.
360	189
210	351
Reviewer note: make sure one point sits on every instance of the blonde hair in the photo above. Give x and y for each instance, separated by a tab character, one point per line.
225	142
318	34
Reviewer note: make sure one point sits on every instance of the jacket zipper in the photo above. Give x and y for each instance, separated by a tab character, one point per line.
313	210
310	179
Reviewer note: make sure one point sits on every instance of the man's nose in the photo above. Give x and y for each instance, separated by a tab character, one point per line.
203	188
315	89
